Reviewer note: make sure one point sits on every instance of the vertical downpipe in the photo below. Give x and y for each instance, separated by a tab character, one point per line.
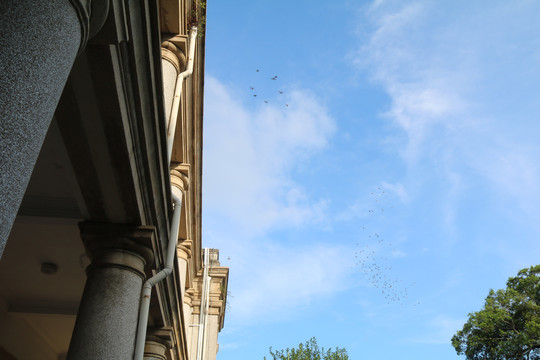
177	201
204	307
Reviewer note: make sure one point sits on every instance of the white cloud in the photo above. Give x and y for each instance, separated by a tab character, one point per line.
373	201
277	279
249	155
424	87
249	192
398	189
398	254
461	93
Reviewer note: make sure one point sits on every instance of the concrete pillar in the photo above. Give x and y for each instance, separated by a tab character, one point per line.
38	45
106	324
173	62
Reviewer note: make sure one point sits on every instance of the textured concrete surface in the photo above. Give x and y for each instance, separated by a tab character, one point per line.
107	320
38	45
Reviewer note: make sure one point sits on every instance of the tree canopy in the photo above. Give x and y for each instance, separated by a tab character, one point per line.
309	351
508	326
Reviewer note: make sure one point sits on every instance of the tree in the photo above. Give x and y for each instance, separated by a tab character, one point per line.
508	327
309	351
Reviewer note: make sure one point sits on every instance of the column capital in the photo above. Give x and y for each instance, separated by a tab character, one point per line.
174	55
92	15
158	341
163	335
112	291
183	250
154	350
188	296
180	175
100	238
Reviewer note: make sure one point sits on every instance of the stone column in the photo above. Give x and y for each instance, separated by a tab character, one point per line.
180	182
183	253
154	350
106	324
173	62
158	342
38	44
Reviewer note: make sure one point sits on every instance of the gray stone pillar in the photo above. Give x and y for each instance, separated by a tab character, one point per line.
106	324
38	44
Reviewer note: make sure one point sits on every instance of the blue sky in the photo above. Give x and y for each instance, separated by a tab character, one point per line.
374	202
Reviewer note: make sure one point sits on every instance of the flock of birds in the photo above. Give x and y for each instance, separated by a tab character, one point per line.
265	98
375	267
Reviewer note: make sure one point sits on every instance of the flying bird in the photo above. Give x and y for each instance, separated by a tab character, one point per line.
274	78
281	92
257	70
266	101
252	88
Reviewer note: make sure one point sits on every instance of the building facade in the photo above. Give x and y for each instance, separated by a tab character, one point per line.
100	183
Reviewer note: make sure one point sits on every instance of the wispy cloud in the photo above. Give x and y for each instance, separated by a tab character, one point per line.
250	153
398	189
249	193
277	280
374	201
398	254
441	329
466	110
424	87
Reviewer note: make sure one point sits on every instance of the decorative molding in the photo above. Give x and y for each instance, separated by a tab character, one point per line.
101	237
162	335
174	55
181	171
155	350
183	250
92	15
180	41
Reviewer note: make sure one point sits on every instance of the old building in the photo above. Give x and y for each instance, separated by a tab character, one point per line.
100	182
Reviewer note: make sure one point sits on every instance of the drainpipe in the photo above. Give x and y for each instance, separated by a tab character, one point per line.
178	92
166	271
205	292
177	203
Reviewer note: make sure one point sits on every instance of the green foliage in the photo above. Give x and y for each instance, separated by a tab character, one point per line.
508	327
198	17
309	351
